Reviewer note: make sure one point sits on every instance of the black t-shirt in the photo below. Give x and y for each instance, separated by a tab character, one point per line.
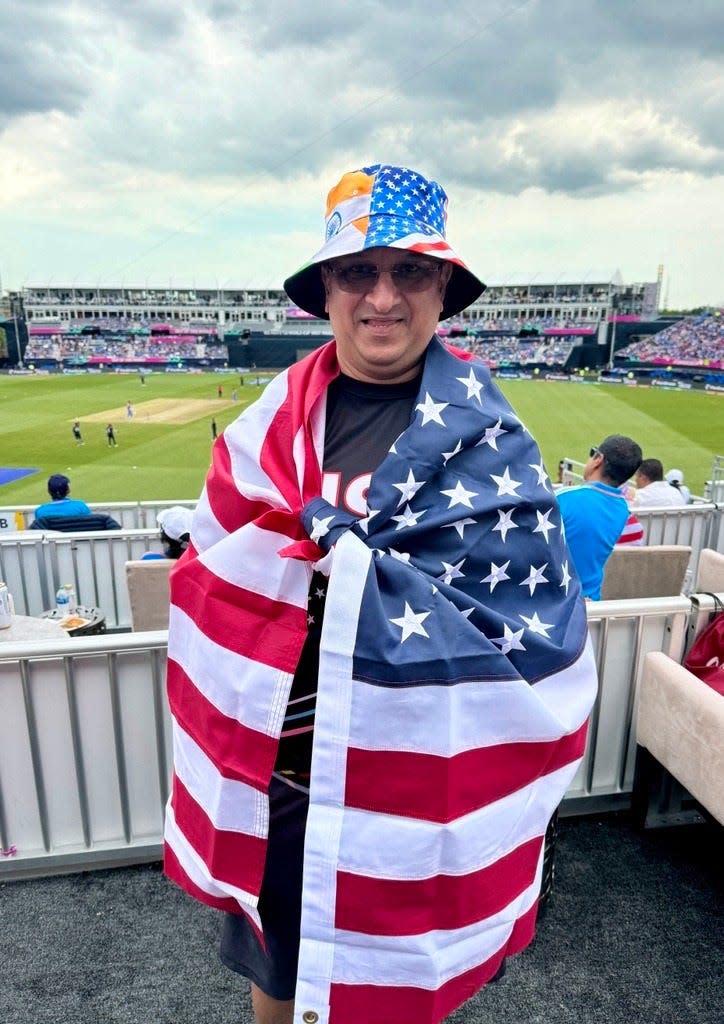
362	422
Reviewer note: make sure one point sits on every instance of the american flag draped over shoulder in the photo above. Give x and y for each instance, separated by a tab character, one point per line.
454	688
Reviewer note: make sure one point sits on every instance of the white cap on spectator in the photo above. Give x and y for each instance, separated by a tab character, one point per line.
675	476
175	521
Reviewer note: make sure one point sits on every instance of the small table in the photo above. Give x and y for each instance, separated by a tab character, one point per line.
93	620
28	627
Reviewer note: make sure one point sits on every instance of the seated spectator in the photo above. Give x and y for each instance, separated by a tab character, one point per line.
676	478
61	505
652	489
595	514
175	523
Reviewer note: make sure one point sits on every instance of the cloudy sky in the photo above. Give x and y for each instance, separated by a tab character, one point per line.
150	142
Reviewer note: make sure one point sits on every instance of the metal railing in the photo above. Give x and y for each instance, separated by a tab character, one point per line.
84	753
85	738
132	515
34	564
622	632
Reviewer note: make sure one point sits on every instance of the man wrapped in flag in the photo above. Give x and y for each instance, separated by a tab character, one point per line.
379	670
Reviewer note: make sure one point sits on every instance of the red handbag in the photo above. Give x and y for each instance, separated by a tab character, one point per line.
705	657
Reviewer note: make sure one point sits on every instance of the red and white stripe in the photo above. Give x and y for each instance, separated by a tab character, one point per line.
632	533
428	809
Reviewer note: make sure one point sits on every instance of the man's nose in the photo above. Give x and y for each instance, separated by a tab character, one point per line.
384	293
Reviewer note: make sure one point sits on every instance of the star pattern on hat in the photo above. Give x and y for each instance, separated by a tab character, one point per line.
418	206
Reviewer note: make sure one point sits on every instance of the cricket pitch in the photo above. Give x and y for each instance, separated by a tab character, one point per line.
160	410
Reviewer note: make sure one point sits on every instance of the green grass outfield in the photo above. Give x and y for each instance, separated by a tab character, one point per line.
156	460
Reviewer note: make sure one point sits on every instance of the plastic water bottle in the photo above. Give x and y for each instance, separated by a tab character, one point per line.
62	602
72	600
6	607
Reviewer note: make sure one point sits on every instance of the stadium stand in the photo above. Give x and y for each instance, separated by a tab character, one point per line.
510	351
693	341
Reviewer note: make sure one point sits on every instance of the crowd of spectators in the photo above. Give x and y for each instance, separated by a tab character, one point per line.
133	348
158	296
525	294
693	341
522	352
518	324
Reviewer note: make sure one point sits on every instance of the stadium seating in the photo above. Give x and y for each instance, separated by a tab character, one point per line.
148	592
681	724
710	572
635	572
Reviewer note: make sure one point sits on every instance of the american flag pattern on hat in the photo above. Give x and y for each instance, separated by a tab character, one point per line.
386	206
390	207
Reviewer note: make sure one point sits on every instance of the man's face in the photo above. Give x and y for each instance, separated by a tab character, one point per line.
594	465
383	326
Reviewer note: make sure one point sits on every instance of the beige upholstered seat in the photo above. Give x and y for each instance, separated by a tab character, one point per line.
656	571
681	722
147	581
710	573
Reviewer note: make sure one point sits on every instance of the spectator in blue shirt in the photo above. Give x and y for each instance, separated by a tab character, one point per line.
595	513
61	505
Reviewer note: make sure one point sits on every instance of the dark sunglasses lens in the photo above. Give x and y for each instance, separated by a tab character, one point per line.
358	276
362	277
413	276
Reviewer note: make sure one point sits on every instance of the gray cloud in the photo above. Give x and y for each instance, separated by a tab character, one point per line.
149	23
585	98
38	72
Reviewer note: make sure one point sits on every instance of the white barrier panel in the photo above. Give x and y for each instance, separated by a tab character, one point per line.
622	633
22	567
690	524
84	753
132	515
85	738
716	530
34	564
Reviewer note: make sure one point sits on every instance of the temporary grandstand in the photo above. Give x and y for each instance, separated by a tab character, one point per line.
101	326
565	298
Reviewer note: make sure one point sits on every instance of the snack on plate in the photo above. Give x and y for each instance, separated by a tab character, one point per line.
73	622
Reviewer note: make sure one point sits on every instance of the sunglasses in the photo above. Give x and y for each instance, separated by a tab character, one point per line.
408	276
595	451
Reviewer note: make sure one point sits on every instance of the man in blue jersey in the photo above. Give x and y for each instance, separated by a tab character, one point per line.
61	505
595	513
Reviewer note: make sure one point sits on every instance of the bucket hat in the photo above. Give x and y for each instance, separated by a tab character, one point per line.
386	206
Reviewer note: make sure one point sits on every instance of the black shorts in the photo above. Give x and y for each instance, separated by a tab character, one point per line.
274	971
